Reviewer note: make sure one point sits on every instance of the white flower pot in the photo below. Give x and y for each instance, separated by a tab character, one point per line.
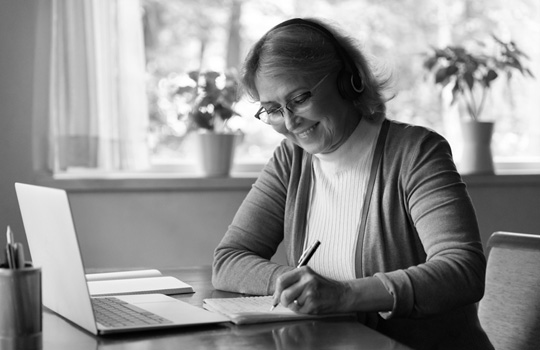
216	153
476	156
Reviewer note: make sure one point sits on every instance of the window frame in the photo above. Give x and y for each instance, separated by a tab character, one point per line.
182	171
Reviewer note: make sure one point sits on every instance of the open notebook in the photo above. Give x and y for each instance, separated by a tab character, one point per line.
135	282
246	310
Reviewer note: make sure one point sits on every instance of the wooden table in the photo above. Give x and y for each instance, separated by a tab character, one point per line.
338	333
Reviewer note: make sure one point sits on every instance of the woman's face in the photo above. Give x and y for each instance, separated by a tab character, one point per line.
325	126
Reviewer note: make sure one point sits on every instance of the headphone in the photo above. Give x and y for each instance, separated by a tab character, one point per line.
349	82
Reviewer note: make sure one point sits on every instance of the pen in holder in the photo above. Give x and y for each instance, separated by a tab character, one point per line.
21	314
20	308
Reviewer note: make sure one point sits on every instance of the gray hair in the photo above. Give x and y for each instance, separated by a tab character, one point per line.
303	51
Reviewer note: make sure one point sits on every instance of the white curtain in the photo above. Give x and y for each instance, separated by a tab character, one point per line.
98	113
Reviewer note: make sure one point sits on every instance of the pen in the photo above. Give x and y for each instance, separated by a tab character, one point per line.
19	255
14	252
306	255
10	252
9	236
304	260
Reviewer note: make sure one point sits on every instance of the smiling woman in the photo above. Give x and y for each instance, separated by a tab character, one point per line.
399	238
322	118
305	122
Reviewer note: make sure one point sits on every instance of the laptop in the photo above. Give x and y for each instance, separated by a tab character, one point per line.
52	240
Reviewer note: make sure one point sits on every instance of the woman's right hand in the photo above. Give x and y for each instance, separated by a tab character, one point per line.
305	291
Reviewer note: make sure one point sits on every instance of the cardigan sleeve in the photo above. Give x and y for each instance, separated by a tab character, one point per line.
441	216
242	258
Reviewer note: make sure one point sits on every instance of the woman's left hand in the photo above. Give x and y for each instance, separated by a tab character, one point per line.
304	291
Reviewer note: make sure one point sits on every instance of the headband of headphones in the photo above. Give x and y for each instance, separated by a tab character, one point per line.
350	82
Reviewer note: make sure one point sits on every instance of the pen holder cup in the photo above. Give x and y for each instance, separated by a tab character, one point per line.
21	313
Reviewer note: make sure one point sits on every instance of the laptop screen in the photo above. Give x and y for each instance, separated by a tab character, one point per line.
53	245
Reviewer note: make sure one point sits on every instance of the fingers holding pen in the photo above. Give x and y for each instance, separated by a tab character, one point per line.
303	290
287	288
290	285
291	289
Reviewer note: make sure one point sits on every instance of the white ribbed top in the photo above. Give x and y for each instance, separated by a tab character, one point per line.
338	187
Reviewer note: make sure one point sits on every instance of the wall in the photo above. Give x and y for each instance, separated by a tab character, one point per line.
175	223
506	203
152	228
17	34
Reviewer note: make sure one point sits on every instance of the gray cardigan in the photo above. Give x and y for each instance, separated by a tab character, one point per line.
421	240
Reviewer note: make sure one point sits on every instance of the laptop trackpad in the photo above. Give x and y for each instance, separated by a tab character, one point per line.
172	309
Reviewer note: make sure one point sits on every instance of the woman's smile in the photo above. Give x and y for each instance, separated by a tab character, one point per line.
322	128
306	133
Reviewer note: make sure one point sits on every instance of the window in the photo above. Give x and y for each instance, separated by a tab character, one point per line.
97	110
186	35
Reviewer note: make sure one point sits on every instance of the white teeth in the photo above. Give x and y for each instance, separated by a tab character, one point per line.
306	133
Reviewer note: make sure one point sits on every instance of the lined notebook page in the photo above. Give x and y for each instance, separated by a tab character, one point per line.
246	310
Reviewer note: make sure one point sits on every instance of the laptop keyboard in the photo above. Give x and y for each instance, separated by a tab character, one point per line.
113	312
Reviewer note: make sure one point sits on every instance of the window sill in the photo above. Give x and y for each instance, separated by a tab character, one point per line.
502	180
145	181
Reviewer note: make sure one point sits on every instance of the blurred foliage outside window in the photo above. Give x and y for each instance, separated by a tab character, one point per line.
214	35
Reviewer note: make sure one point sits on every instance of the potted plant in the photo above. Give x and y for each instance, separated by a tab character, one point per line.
470	76
212	98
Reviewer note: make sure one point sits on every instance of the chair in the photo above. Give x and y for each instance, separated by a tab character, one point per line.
510	309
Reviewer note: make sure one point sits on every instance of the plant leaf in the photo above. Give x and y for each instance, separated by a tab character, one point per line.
469	79
456	90
430	62
441	75
451	70
194	75
489	77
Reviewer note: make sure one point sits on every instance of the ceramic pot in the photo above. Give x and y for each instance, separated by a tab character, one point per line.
216	153
477	157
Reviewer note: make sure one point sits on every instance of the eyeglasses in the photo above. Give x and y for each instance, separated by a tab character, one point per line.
297	105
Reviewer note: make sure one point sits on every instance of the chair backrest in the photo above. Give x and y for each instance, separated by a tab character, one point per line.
510	309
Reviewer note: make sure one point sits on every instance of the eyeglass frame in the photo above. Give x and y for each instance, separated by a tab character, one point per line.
309	94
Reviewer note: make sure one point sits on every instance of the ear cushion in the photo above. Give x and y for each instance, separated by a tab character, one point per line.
349	85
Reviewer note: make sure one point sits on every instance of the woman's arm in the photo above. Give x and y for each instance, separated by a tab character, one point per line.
443	232
242	259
